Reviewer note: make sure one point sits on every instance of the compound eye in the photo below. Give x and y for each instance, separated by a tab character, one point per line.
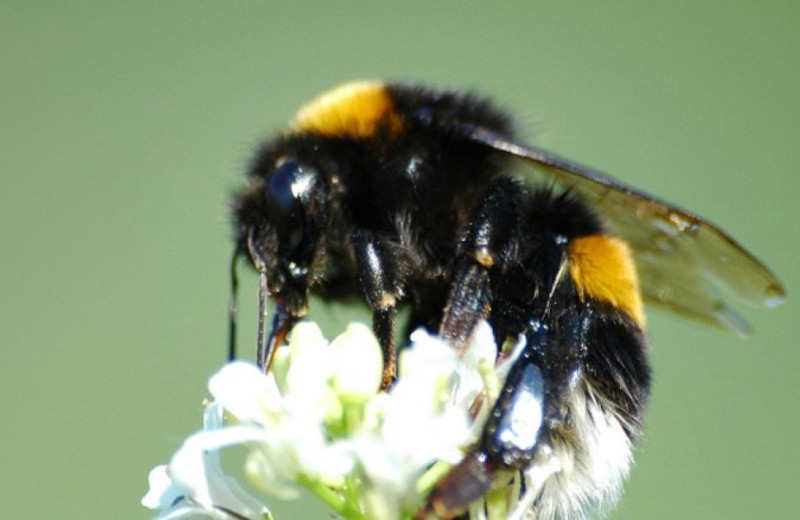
280	197
284	207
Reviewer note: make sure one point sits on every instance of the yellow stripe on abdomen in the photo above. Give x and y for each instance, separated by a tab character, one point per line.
602	268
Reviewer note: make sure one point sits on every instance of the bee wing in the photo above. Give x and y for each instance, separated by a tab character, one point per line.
682	259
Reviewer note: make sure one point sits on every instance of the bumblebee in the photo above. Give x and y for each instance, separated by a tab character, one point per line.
409	196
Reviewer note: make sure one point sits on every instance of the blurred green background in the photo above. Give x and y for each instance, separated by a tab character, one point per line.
125	127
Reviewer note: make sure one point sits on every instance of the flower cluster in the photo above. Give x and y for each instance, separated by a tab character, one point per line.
318	421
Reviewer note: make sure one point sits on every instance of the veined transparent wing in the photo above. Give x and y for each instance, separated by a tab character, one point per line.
683	260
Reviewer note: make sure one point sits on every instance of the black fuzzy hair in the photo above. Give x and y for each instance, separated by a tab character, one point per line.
562	213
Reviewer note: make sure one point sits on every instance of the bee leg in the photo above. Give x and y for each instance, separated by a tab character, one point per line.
515	434
468	303
377	274
469	480
486	245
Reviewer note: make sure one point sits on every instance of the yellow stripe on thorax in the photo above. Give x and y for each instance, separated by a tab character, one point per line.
354	110
602	268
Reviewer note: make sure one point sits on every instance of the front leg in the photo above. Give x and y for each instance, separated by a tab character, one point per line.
378	274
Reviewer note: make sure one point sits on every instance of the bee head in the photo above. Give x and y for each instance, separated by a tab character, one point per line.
279	219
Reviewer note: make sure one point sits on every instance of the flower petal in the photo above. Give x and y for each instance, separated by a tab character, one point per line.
357	363
246	392
196	469
162	493
469	382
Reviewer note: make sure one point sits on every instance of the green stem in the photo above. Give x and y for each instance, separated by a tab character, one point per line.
352	492
496	503
333	499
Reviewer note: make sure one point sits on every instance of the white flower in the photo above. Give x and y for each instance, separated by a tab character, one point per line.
317	420
356	347
194	483
416	424
481	352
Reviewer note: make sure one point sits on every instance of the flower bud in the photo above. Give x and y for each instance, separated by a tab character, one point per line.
358	363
